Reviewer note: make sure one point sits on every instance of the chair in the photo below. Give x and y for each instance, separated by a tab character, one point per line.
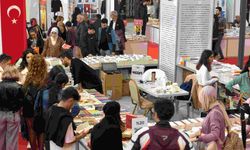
137	99
159	74
188	100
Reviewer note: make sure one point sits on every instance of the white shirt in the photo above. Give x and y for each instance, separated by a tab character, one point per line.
204	77
69	138
114	24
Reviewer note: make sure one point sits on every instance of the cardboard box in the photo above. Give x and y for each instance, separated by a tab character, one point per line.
111	80
125	88
112	85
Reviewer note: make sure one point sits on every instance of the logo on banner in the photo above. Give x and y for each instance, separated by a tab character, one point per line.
14	7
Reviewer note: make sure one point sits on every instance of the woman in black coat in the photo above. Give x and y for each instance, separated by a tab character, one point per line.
108	134
11	101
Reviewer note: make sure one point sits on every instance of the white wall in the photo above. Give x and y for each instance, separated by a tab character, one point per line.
32	9
65	5
110	6
237	7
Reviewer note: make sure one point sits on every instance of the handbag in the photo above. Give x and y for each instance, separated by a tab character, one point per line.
39	121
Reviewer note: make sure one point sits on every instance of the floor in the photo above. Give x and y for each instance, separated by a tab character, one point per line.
125	103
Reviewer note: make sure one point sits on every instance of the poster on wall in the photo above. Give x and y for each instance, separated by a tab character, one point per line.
195	27
168	33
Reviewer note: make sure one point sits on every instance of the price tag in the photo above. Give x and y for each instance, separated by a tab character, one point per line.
138	123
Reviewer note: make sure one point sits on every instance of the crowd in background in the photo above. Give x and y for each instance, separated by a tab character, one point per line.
84	36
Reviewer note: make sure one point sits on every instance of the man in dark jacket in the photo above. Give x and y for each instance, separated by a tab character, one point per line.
118	26
83	75
142	13
92	48
59	127
70	34
35	42
81	35
97	23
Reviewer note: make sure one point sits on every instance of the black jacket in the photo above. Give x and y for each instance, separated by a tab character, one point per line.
81	35
85	75
56	5
39	43
142	11
103	7
119	25
57	121
106	135
11	96
92	44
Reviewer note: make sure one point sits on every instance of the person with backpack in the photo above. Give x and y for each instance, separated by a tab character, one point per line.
50	95
161	136
212	133
36	79
106	39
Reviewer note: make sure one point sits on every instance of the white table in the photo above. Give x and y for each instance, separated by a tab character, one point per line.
150	88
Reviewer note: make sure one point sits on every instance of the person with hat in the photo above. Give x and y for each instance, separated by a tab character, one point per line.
108	134
53	44
4	61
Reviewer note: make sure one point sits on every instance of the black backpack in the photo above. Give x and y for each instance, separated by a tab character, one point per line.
187	86
39	120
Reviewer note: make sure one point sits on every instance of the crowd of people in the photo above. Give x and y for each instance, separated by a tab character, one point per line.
45	107
84	36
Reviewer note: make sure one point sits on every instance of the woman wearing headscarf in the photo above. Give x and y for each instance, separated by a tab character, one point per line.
108	133
213	126
53	44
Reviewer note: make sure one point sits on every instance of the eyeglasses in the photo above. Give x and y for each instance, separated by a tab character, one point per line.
53	32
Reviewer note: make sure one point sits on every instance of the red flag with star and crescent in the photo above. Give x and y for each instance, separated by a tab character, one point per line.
13	33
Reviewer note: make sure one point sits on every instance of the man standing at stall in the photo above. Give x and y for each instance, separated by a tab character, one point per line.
221	27
81	35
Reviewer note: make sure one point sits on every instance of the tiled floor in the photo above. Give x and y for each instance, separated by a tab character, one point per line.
126	103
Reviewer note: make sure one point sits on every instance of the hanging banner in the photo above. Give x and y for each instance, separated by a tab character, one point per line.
13	27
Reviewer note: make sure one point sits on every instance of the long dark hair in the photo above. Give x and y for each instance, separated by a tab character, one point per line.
204	60
56	87
55	71
112	113
246	66
24	62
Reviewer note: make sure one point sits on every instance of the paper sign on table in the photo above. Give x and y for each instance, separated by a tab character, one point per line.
137	72
138	123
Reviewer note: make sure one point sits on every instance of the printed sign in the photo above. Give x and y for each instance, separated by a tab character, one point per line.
137	72
138	123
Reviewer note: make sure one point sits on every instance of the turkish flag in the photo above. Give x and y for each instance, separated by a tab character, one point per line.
13	28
